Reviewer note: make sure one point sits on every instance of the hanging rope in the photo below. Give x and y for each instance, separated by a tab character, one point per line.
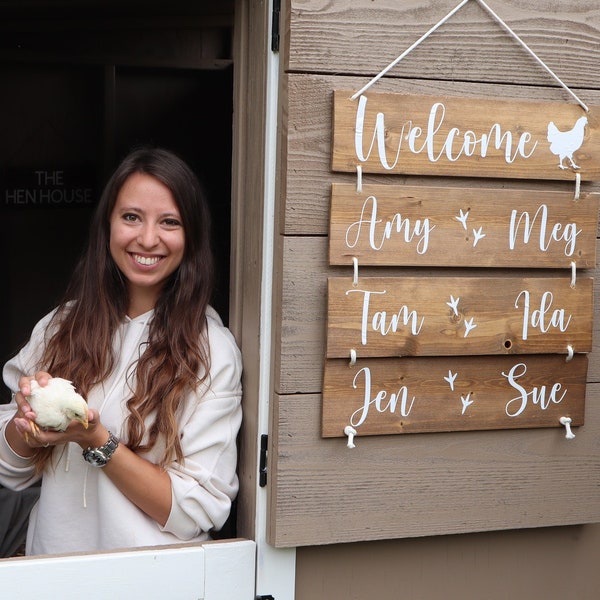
407	51
577	186
499	20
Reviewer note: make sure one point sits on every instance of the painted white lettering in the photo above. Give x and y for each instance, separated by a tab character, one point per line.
542	318
538	394
566	233
360	415
452	146
419	230
380	322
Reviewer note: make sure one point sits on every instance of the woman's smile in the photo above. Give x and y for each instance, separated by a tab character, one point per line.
147	261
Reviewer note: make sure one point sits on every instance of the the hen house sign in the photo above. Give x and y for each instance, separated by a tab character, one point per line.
427	135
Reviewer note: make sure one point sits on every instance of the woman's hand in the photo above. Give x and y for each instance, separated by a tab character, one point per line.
32	436
24	418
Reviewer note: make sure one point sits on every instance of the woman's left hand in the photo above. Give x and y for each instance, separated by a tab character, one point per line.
95	434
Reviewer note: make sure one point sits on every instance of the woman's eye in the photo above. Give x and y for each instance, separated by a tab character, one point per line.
172	222
130	217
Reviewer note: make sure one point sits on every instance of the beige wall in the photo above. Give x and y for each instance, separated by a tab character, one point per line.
538	564
318	493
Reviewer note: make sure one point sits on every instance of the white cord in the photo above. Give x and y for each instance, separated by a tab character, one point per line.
350	432
397	60
440	23
531	52
359	178
577	186
566	421
570	353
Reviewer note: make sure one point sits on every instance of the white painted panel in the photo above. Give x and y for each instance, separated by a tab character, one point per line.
275	567
230	570
214	571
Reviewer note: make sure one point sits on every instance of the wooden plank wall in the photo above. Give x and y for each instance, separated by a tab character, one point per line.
422	484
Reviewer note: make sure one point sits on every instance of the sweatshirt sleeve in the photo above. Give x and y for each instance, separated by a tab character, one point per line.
17	472
205	484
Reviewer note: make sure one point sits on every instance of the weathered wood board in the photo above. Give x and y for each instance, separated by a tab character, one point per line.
442	316
429	394
446	135
439	226
362	36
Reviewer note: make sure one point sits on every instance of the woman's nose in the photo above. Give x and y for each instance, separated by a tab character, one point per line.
148	236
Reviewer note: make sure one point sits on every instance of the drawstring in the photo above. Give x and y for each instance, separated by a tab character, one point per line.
68	461
85	478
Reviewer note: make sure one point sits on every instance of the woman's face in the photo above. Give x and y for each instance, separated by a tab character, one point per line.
147	240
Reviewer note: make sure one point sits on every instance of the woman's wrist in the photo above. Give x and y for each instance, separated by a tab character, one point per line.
96	438
16	442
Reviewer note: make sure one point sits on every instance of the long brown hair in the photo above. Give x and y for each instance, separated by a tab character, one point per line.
176	358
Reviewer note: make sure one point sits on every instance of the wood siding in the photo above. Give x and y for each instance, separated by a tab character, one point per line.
423	484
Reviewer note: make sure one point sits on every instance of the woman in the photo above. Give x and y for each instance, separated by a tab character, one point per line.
160	373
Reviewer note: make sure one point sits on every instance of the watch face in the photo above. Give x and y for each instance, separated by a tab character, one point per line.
99	457
95	457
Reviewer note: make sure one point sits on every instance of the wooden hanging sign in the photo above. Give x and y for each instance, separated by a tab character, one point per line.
418	395
442	316
472	137
397	225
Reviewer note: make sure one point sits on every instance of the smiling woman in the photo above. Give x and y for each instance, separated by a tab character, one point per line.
160	372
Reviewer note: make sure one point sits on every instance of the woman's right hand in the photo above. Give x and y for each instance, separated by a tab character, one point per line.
24	415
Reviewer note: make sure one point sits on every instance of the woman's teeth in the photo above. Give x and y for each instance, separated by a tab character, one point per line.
146	260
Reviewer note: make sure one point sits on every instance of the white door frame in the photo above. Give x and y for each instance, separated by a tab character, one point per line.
275	567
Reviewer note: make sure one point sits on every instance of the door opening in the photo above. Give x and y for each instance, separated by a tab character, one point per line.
79	93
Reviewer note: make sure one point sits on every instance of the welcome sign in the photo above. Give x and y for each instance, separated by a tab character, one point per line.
426	135
499	344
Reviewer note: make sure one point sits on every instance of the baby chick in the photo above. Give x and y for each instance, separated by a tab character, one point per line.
56	405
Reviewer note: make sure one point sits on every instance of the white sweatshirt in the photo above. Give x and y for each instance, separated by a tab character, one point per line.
80	509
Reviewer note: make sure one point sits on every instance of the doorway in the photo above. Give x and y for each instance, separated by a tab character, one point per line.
81	87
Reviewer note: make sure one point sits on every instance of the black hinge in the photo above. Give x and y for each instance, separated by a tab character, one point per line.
262	468
275	25
267	597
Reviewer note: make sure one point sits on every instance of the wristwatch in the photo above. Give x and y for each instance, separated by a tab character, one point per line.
99	457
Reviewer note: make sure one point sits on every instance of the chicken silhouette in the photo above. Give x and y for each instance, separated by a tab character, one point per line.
565	143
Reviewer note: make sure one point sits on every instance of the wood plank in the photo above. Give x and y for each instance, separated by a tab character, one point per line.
422	226
445	135
362	37
430	484
417	395
441	316
306	144
300	341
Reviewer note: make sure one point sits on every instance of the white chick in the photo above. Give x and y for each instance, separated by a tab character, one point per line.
56	405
